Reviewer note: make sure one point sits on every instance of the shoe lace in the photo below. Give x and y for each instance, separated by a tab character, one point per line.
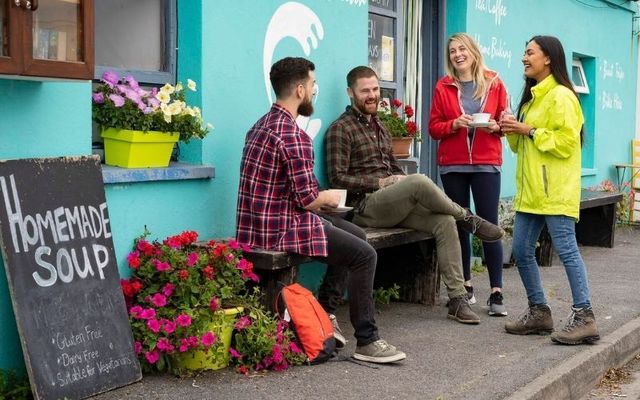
573	321
474	223
382	344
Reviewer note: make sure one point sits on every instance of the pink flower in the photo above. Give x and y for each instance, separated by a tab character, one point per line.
242	323
161	266
118	101
167	290
152	356
110	78
159	300
184	345
153	325
148	313
208	339
165	345
193	341
293	347
234	353
277	354
183	320
246	248
98	98
135	311
137	346
234	244
133	259
192	259
213	304
169	327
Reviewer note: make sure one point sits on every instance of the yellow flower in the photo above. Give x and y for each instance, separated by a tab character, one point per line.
167	88
191	85
197	111
178	87
175	108
163	97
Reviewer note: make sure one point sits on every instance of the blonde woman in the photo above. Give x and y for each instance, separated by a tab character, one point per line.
470	154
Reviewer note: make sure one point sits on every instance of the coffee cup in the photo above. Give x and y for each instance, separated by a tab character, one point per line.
480	118
343	196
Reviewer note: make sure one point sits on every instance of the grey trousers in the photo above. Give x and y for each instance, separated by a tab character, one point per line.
418	203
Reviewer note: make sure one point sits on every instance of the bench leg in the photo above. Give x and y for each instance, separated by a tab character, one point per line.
414	268
597	226
544	252
270	284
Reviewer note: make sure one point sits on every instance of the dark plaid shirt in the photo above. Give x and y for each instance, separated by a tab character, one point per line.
276	183
358	154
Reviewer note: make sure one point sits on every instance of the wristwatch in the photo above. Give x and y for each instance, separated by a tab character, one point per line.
531	132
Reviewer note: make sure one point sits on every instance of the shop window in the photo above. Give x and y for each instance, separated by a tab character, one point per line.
386	45
137	38
578	77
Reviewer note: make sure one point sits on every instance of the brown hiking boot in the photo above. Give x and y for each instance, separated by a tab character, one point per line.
460	311
480	227
580	328
536	319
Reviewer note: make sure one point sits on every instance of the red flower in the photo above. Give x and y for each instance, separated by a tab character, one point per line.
133	259
183	274
396	103
145	247
412	128
208	272
243	369
408	111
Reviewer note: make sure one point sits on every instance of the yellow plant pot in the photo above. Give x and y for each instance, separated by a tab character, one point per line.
138	149
211	360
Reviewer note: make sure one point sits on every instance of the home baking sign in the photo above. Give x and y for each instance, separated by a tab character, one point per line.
55	236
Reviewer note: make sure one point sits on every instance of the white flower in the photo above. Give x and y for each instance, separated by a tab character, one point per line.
191	85
178	87
167	88
209	126
163	97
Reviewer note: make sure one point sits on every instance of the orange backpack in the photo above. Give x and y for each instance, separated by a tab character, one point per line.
309	320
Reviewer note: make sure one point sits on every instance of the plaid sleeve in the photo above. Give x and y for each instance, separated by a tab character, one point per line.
338	142
298	156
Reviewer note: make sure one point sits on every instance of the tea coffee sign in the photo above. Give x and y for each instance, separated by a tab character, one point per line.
63	278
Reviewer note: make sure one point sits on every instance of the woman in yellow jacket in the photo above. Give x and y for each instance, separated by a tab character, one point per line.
547	137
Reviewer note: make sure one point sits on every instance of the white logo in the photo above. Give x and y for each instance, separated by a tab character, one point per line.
293	20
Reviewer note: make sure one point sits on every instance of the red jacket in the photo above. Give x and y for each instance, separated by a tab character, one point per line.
454	147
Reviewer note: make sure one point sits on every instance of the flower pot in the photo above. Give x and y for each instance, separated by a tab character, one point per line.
137	149
197	360
402	146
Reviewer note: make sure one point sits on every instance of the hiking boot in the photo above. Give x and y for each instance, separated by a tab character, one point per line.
460	311
496	308
470	296
337	332
580	328
480	227
379	352
536	319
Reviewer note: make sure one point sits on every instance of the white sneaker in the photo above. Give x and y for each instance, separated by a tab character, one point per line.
337	333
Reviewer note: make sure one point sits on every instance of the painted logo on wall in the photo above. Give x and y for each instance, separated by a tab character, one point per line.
299	22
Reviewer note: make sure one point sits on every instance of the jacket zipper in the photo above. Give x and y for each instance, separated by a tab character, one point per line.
545	181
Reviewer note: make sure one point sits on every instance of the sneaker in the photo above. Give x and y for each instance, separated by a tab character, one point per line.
470	295
536	319
460	310
341	341
378	352
580	328
480	227
496	308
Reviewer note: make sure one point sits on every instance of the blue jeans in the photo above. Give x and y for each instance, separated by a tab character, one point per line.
526	230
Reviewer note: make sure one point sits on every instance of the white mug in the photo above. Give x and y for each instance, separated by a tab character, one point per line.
480	118
343	196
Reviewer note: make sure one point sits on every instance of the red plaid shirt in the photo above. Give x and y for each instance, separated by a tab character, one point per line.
276	183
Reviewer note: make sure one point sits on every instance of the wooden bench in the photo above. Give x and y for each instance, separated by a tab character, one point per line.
405	257
595	228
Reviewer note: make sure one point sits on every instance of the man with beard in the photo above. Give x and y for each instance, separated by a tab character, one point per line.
360	159
278	202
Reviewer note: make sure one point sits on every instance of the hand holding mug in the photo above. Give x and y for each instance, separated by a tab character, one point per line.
462	121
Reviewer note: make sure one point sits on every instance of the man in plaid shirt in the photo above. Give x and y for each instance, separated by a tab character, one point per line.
360	159
278	202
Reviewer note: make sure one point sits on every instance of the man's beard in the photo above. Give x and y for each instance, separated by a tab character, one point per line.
367	109
305	108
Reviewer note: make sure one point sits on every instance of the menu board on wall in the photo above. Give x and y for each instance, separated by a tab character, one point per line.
63	279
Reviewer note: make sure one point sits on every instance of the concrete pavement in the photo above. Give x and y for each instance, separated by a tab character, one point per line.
448	360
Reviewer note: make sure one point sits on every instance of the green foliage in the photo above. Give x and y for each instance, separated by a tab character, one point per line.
478	268
14	386
506	215
399	126
382	296
124	104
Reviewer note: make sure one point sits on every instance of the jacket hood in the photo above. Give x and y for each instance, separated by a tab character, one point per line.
489	74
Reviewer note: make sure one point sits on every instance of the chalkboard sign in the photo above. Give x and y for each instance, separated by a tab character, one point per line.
63	278
381	46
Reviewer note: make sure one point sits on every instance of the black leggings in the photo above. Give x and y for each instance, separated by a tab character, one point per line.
485	187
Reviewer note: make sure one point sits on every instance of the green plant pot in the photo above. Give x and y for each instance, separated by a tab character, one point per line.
137	149
197	360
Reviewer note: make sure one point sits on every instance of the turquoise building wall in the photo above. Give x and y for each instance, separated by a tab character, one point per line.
602	33
224	46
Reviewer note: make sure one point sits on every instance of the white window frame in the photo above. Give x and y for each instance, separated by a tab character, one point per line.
579	88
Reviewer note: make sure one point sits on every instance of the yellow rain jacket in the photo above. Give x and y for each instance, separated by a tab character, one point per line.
548	167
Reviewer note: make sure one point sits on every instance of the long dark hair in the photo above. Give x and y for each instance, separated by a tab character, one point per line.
552	48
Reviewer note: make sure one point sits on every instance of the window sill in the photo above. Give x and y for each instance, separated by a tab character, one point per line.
589	172
174	172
